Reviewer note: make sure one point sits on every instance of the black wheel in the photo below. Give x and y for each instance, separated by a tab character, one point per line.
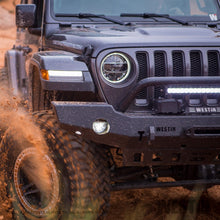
66	181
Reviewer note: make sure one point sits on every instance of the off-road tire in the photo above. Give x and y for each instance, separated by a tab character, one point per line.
83	191
37	99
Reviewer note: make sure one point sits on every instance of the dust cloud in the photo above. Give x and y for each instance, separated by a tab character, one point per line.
147	204
17	124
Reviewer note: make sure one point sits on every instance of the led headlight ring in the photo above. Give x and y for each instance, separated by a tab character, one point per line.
115	67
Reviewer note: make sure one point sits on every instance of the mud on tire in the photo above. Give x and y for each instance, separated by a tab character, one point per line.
78	186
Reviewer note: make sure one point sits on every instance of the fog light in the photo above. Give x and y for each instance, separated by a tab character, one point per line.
100	127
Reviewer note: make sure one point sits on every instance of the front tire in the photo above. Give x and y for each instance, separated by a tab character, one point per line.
76	186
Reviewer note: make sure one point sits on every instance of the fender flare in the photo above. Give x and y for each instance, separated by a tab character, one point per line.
62	61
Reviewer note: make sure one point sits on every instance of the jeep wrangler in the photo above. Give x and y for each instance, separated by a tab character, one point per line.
124	92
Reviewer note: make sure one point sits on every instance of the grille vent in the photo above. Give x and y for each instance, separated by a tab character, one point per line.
160	70
196	64
178	65
143	73
213	63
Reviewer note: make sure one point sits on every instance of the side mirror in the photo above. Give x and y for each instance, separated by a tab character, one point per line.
25	15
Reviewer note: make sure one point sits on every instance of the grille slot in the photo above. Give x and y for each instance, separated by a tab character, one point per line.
178	64
142	62
196	64
160	70
213	63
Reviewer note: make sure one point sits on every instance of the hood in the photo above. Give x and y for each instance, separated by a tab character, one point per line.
101	38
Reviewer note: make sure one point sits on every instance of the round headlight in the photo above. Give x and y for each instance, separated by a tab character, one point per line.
115	67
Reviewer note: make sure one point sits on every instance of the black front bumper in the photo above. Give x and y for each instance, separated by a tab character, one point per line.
164	139
81	116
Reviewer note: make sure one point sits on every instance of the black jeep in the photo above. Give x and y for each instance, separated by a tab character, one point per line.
124	91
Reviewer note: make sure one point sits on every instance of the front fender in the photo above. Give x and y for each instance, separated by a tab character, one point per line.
63	61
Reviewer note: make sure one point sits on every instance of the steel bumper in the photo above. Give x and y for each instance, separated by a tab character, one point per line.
81	115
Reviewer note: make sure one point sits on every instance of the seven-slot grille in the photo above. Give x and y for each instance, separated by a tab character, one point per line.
178	63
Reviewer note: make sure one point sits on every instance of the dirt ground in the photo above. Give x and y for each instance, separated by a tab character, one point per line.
149	204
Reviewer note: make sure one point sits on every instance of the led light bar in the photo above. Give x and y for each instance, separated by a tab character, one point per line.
193	90
76	75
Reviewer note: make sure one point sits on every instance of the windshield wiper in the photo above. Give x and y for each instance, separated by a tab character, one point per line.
89	15
150	15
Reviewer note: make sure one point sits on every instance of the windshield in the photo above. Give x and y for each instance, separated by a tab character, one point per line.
207	10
